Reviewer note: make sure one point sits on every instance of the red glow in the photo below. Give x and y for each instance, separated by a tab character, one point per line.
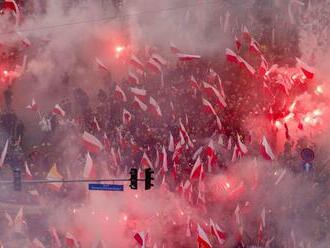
119	49
317	112
5	73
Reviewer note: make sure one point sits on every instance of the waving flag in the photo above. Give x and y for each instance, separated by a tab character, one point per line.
154	66
119	93
306	69
135	62
140	93
9	219
139	104
37	243
197	170
263	66
12	5
145	161
89	170
55	238
174	49
96	124
246	34
164	163
242	147
91	143
127	117
187	57
202	239
208	107
232	56
71	241
193	82
141	239
19	221
106	142
4	153
238	44
211	91
218	232
219	124
28	173
133	78
211	155
255	47
266	150
53	174
171	144
33	106
58	110
101	65
185	134
247	66
159	59
155	107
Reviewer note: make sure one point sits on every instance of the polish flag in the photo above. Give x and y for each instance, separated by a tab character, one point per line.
263	67
220	87
159	59
96	124
139	104
178	151
238	44
219	124
171	144
9	219
55	237
236	153
33	106
208	106
164	163
71	241
154	66
127	117
3	154
101	65
106	142
133	78
119	93
187	190
141	239
28	173
89	170
247	66
211	91
174	49
218	232
134	61
185	134
155	107
37	243
197	170
58	110
306	69
91	143
246	34
241	146
211	155
202	239
145	162
193	82
11	5
187	57
255	47
141	93
53	174
19	221
266	150
232	56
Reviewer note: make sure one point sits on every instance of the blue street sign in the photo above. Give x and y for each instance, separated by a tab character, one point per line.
106	187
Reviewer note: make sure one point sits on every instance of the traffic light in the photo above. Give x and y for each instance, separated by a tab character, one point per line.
148	173
17	179
134	178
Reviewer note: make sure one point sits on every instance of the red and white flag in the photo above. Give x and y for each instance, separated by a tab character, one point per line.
266	150
236	153
101	65
174	49
218	232
238	44
96	124
171	143
4	153
58	110
210	154
127	117
263	66
202	239
241	146
247	66
12	6
193	82
178	150
19	221
89	170
145	162
140	93
139	104
197	170
187	57
164	162
246	34
219	124
119	93
211	91
106	142
154	66
255	47
91	143
208	107
141	239
56	240
159	59
308	71
135	62
71	241
232	56
33	106
155	107
28	173
53	174
37	243
133	78
185	134
187	190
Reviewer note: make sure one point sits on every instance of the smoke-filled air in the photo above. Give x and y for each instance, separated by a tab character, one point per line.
164	124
